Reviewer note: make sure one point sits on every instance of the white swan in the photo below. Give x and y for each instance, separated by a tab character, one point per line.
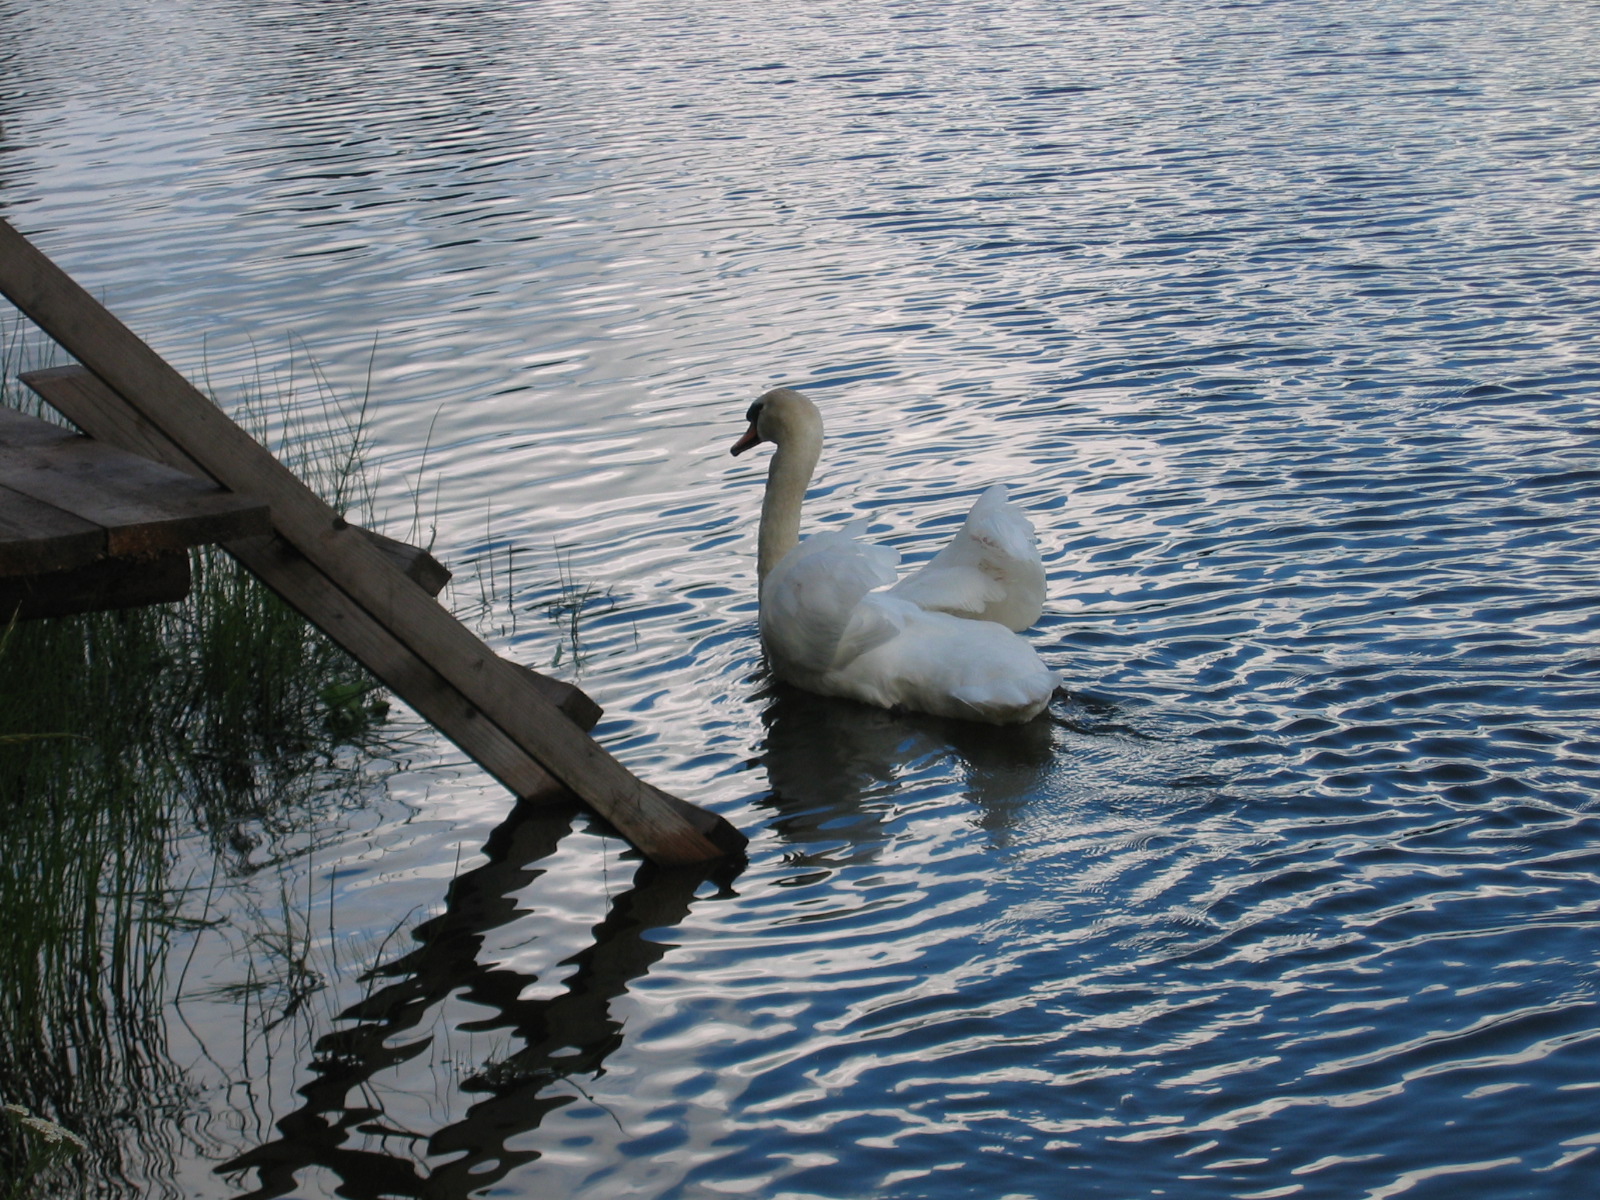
941	641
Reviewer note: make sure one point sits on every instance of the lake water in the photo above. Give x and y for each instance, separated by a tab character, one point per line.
1280	318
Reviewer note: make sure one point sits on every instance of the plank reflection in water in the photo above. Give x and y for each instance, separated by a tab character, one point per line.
560	1037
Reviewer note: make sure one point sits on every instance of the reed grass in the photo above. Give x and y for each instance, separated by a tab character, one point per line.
32	1146
121	732
507	582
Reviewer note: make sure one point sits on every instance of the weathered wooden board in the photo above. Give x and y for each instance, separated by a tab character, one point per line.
75	389
103	584
142	507
664	827
36	537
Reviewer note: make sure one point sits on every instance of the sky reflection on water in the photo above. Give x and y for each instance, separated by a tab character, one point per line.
1278	318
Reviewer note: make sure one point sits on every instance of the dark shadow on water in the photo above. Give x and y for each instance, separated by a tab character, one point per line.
558	1039
828	759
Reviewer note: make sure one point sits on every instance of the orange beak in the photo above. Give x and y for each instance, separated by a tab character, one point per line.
750	438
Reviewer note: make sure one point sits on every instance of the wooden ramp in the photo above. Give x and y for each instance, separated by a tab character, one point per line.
524	728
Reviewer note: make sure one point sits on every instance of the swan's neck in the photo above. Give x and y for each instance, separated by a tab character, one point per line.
791	469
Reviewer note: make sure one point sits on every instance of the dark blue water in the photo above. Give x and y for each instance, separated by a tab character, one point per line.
1280	320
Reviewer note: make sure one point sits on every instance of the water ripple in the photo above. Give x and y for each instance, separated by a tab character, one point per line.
1279	320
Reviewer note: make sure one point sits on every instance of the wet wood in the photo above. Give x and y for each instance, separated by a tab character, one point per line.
665	828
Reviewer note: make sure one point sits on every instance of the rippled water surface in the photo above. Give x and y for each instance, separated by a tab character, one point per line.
1280	319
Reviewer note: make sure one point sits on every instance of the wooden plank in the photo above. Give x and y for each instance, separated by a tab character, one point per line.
37	537
94	408
143	507
286	571
664	828
422	568
72	388
104	584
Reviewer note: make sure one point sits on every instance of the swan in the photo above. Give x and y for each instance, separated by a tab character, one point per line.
835	620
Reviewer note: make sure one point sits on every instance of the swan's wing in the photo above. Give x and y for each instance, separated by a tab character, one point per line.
958	590
990	571
808	599
877	619
935	663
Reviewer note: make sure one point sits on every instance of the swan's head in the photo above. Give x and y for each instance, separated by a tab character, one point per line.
779	416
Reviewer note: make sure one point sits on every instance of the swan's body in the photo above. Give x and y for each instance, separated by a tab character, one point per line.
940	641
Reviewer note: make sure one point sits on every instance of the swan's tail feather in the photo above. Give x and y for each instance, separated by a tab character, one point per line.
1000	525
990	571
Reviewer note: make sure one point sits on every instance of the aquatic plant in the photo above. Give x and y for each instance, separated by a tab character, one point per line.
573	601
30	1146
488	595
121	733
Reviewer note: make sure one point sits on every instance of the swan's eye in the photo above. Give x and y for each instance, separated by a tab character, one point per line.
755	411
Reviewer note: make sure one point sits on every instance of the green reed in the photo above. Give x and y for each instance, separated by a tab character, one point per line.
121	732
32	1146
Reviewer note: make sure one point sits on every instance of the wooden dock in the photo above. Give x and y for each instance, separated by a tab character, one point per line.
526	729
84	526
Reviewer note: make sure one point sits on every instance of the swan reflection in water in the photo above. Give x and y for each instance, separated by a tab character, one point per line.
565	1037
829	760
